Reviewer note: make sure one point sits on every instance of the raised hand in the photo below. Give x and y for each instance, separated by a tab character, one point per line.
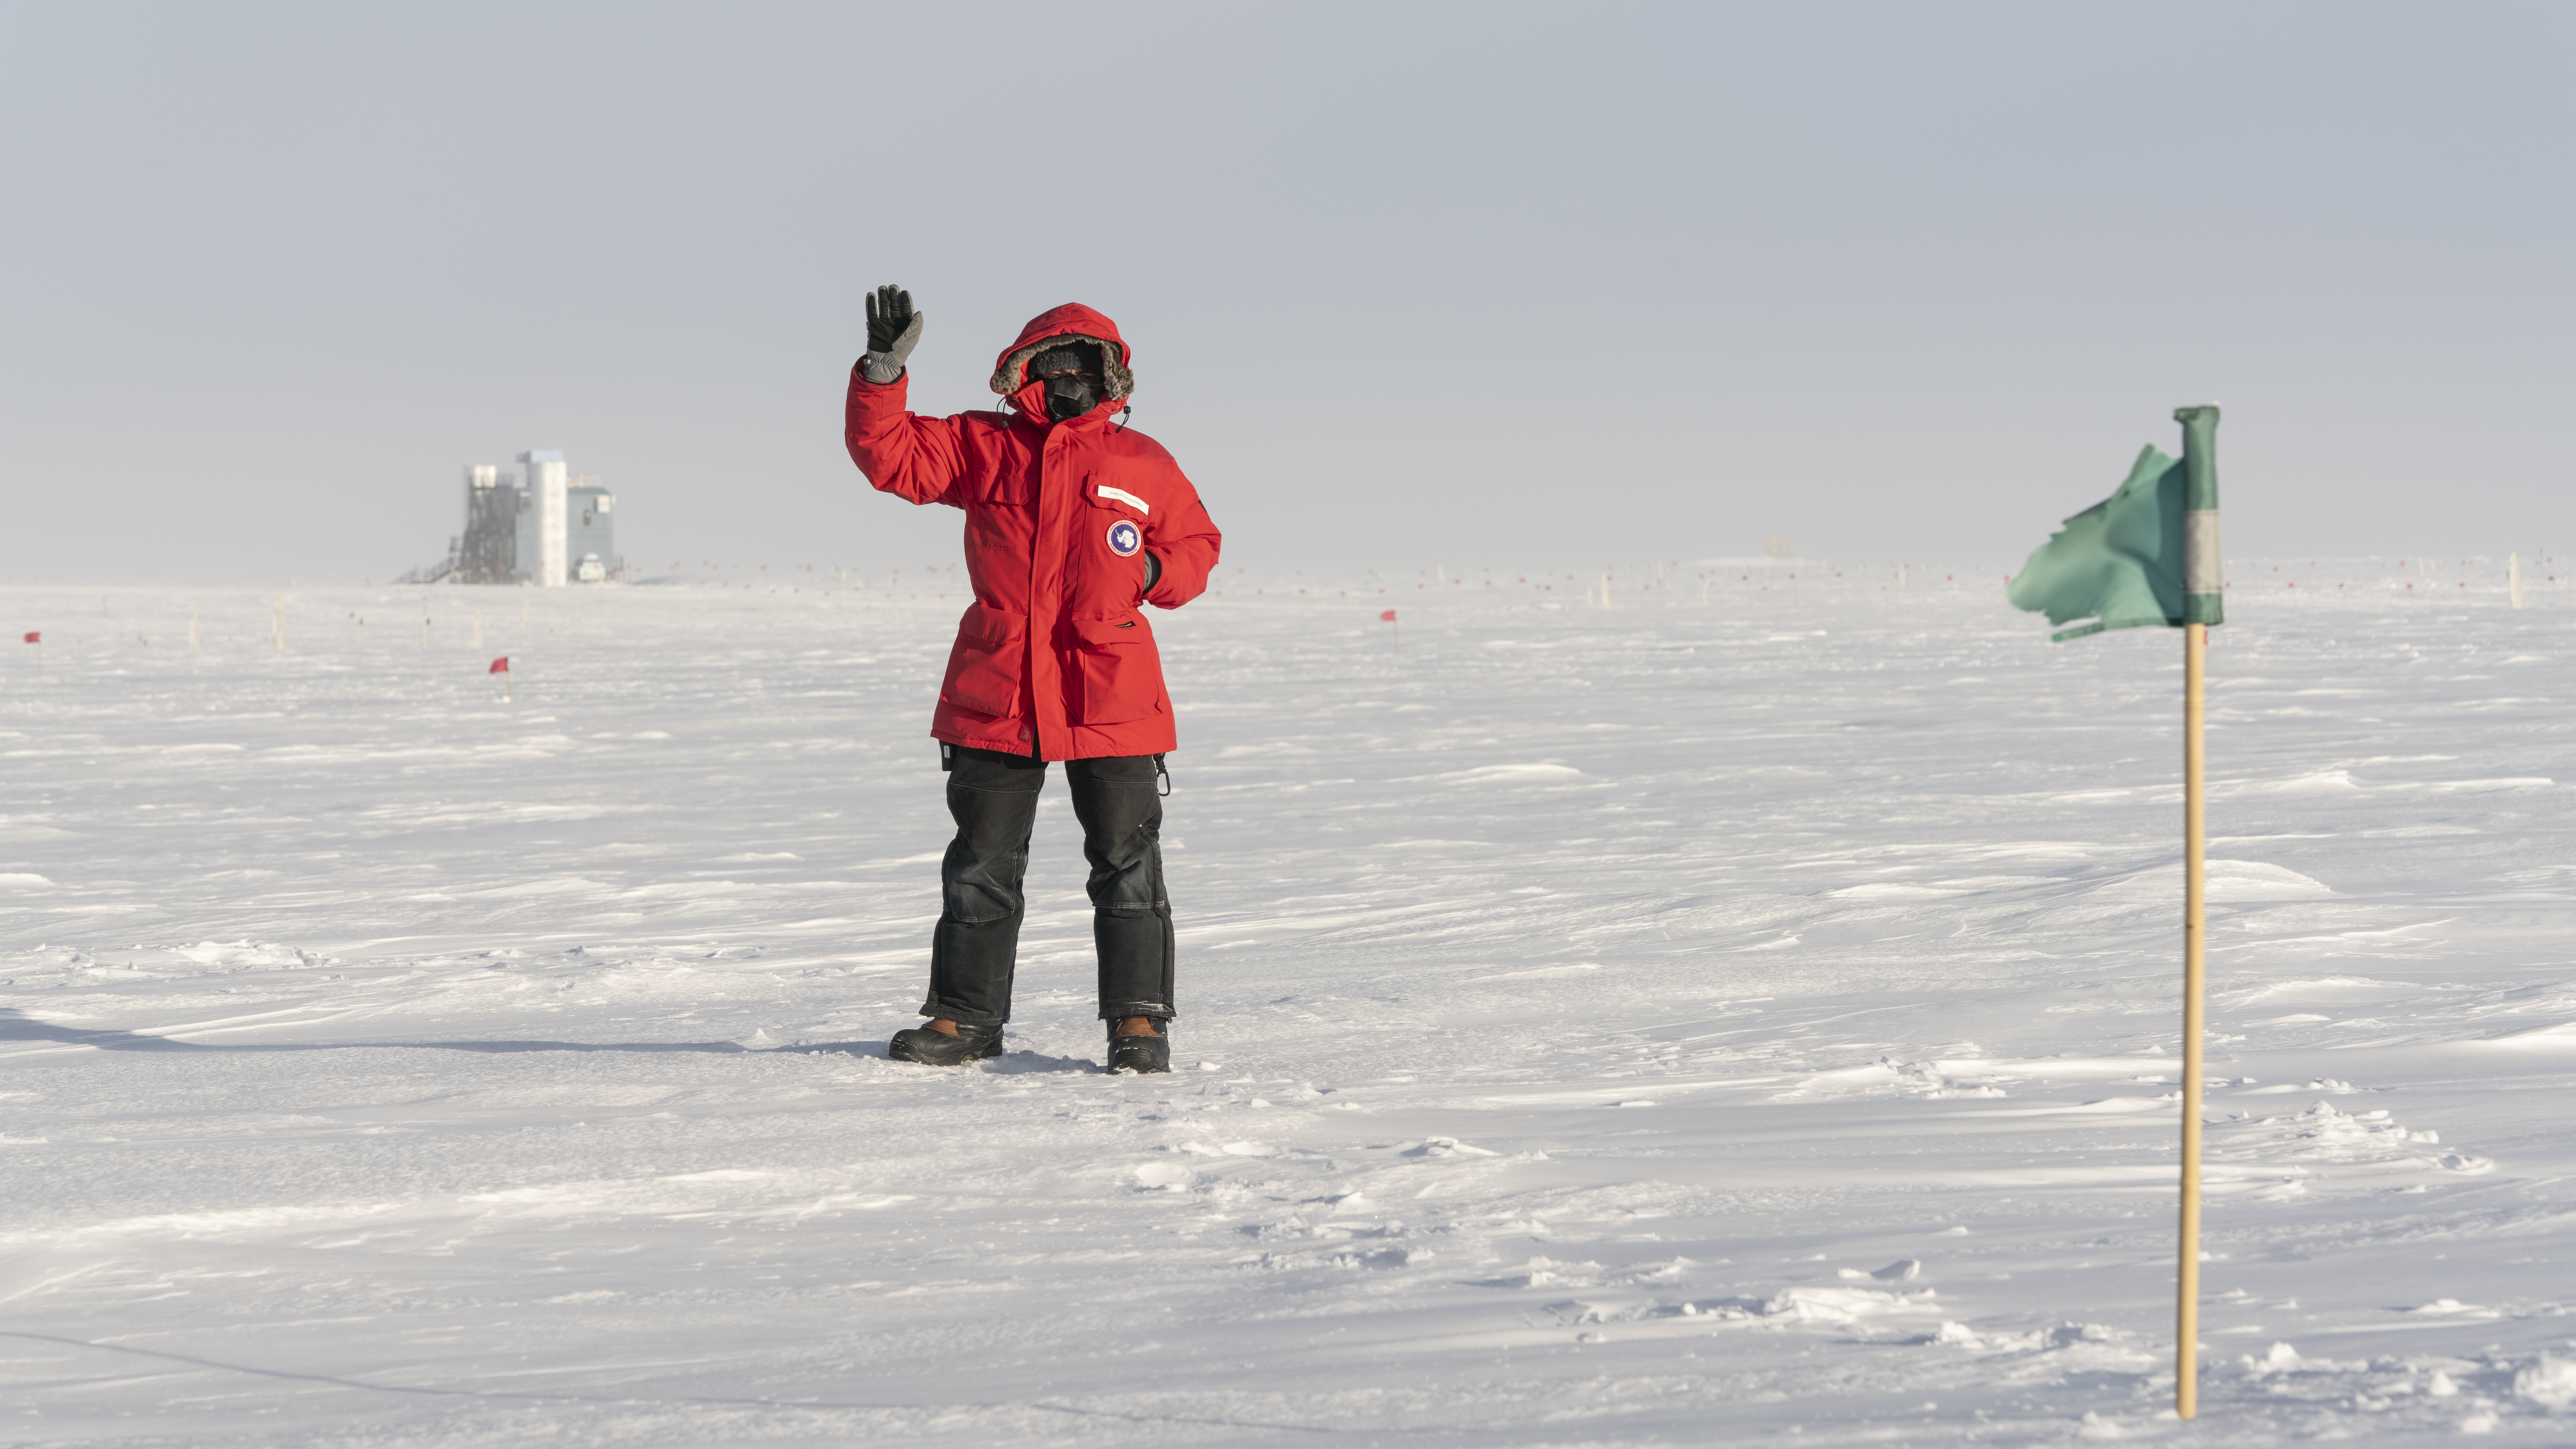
889	313
894	329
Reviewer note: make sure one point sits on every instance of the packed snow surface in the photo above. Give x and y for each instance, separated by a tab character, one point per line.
1740	1014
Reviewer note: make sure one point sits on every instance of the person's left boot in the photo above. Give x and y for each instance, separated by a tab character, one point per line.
1141	1052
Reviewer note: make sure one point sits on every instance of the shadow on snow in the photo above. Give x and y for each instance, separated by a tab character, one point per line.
16	1025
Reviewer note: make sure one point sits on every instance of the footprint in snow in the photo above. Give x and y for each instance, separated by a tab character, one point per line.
1447	1147
1011	1063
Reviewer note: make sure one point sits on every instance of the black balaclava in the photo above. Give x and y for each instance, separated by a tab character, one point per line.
1074	385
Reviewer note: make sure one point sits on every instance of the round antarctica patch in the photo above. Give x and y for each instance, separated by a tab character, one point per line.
1125	538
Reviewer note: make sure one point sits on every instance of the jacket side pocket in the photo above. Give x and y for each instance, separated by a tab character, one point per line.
984	665
1120	670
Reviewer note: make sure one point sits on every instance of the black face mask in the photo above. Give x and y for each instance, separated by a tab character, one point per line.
1073	380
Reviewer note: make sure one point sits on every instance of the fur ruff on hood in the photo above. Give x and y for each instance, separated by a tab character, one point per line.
1071	322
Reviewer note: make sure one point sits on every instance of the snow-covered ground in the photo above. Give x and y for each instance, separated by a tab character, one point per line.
1680	1023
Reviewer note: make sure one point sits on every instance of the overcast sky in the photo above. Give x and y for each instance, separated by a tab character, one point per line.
1407	284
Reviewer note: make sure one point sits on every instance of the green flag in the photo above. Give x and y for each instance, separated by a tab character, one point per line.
2146	555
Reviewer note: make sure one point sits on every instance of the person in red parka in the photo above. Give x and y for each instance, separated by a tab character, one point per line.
1073	522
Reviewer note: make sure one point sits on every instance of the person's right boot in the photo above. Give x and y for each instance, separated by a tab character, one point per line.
1139	1044
931	1047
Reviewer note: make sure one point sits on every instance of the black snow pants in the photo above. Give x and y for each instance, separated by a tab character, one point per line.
974	948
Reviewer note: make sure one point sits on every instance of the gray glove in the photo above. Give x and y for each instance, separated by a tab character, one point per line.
894	329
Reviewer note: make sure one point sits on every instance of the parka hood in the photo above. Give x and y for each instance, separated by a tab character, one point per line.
1072	320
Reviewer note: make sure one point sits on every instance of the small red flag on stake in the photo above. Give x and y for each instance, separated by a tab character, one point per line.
1387	618
509	684
500	665
39	641
35	638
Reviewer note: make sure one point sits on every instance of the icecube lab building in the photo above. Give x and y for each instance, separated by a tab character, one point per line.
540	526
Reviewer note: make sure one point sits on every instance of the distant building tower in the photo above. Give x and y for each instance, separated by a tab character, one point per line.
510	539
488	551
542	527
591	533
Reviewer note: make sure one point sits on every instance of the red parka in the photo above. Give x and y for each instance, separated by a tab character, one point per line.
1054	652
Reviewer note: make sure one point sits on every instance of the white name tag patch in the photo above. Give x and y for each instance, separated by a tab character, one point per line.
1123	496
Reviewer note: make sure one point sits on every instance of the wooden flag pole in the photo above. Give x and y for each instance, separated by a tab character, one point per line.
2195	654
2072	576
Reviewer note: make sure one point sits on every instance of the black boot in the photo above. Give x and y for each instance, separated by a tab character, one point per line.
939	1049
1139	1054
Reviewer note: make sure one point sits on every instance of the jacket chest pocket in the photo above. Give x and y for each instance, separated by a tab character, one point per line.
1010	486
1002	517
1117	673
1104	492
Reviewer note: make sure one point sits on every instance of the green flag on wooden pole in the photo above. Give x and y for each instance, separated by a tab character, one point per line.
2145	556
2148	555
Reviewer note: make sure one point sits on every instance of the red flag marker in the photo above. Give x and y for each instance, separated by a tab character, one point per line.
1398	631
1386	618
35	638
509	686
500	665
39	641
